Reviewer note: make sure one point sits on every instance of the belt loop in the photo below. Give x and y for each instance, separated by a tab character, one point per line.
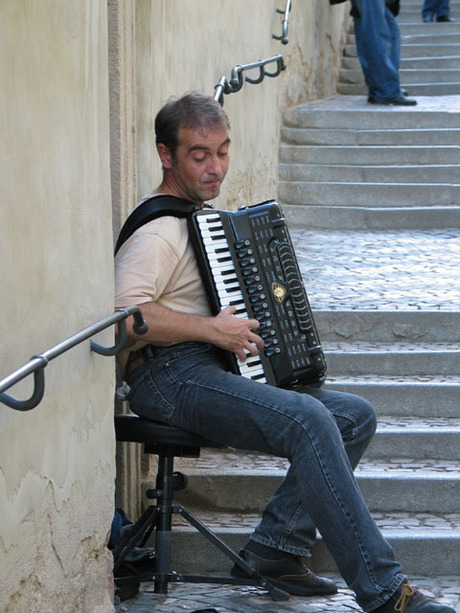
148	352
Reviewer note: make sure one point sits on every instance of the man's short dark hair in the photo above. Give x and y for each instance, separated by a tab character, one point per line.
193	110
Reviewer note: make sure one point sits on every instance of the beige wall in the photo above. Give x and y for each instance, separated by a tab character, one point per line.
56	461
61	63
184	45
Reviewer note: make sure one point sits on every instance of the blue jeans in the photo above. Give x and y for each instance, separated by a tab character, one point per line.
437	8
322	434
378	43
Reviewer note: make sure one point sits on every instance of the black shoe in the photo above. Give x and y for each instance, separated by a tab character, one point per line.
428	18
371	97
401	101
408	600
126	589
444	18
288	574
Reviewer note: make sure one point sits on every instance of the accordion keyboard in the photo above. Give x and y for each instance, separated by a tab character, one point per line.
247	261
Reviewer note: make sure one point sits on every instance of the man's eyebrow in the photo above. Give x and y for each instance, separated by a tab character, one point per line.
205	148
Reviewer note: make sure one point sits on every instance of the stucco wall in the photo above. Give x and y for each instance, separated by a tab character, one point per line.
56	461
57	173
185	45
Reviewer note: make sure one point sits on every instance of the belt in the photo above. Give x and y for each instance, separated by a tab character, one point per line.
139	357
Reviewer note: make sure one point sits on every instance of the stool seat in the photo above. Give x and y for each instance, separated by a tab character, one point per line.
132	428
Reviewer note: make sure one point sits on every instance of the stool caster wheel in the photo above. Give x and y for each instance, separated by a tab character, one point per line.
180	481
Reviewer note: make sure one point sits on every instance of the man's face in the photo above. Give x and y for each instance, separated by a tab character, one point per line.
200	164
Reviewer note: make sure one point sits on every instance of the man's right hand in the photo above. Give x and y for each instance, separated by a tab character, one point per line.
238	334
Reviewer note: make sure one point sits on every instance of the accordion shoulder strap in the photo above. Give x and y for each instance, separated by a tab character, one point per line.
152	208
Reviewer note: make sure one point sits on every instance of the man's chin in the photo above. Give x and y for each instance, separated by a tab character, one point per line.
211	192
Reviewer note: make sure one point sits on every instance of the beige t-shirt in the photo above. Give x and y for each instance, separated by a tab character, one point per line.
157	263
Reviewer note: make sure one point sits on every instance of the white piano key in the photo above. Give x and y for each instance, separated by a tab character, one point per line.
221	264
210	217
227	289
213	235
220	256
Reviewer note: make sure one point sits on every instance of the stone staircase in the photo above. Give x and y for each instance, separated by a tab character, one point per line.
430	55
372	198
349	164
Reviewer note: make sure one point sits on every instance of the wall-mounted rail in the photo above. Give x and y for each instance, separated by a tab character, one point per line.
237	79
37	363
284	23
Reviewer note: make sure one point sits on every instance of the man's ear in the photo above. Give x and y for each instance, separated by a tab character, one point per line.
165	156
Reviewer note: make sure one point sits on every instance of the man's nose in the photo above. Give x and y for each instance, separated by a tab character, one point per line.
214	165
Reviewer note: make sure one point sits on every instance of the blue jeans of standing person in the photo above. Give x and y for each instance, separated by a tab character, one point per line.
437	8
378	44
322	434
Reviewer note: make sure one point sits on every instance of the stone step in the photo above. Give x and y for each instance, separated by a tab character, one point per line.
414	502
439	49
403	359
408	76
421	551
355	218
425	396
433	89
369	195
369	174
419	544
428	37
435	439
381	326
420	63
411	17
417	27
315	136
414	50
432	112
414	89
437	30
421	34
242	482
408	155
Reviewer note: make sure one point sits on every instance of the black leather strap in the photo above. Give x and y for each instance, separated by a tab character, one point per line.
157	206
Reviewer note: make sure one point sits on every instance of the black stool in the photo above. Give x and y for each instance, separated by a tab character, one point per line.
168	442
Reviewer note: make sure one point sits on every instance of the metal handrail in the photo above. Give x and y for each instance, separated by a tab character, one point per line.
37	363
285	23
237	81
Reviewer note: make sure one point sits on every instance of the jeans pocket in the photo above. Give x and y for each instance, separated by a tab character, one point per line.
145	398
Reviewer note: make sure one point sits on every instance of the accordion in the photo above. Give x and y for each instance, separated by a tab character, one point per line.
247	260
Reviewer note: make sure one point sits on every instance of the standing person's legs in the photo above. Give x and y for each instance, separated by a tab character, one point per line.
429	9
188	387
435	9
376	31
442	9
395	34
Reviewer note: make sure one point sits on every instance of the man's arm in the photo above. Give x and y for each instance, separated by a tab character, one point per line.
225	330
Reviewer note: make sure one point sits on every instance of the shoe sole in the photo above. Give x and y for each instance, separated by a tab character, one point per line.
392	103
290	588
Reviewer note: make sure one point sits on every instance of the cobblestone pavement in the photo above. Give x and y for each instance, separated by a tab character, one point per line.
229	599
390	270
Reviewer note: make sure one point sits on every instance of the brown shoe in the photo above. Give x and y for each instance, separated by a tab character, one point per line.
288	574
408	600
